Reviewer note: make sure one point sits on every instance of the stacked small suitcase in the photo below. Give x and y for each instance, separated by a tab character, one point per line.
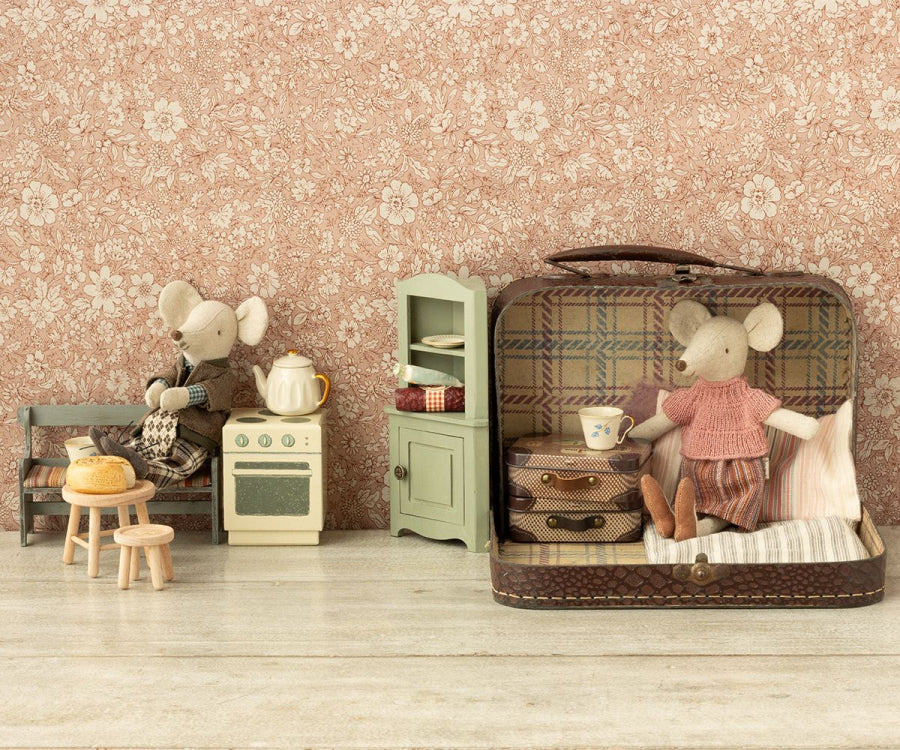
572	339
558	490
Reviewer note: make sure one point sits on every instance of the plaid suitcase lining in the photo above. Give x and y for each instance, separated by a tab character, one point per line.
557	349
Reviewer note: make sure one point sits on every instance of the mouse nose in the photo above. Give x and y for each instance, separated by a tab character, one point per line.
681	365
175	334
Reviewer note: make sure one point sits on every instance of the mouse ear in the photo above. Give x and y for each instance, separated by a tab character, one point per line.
765	327
176	301
685	318
253	320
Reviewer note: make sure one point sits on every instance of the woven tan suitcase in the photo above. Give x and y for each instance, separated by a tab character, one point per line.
559	490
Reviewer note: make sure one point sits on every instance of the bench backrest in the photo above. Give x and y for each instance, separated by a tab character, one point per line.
81	415
78	415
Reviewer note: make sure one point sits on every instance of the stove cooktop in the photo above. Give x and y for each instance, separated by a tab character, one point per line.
255	429
257	416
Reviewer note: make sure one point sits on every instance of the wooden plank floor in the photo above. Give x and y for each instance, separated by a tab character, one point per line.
372	641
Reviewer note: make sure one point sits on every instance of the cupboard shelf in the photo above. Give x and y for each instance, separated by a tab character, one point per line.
459	351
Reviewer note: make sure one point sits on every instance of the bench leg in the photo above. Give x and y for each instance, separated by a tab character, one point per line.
71	531
23	516
94	543
215	519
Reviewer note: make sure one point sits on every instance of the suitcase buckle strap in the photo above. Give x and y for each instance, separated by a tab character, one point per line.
569	484
576	524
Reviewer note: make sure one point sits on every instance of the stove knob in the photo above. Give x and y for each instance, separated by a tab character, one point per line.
241	440
264	440
287	441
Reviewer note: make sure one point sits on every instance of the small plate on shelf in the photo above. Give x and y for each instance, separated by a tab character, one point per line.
444	341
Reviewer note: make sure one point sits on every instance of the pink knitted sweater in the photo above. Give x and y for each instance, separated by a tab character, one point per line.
721	420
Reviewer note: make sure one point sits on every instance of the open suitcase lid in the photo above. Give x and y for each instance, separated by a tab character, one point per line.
622	340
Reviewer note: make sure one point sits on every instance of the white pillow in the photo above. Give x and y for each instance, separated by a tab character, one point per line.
808	478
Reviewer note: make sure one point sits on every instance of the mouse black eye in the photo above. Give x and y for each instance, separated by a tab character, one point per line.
726	351
219	333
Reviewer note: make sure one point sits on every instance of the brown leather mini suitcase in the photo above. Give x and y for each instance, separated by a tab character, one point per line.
559	490
572	339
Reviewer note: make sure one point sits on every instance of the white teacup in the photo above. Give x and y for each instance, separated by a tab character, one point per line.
79	447
601	426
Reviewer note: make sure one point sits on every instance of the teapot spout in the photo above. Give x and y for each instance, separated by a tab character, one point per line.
261	383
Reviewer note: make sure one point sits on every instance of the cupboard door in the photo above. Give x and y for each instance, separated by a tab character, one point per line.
433	485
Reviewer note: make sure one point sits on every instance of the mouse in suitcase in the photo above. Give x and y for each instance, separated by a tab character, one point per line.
724	442
574	338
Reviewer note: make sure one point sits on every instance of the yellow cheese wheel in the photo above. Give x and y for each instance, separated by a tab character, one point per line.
100	475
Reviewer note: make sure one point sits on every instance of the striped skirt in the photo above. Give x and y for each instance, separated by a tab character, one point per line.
731	489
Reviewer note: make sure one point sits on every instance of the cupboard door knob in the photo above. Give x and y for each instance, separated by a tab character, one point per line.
400	472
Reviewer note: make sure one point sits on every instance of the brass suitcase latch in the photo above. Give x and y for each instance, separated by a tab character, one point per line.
701	573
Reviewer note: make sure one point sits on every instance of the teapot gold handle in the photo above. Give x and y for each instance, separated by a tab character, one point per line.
327	391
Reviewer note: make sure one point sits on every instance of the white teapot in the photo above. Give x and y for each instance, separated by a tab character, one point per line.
291	387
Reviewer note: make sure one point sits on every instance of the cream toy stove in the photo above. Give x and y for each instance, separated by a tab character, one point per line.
273	477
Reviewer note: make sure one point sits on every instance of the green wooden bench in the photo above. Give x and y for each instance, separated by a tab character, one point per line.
41	478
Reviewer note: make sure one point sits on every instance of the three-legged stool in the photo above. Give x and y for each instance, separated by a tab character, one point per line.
137	496
154	538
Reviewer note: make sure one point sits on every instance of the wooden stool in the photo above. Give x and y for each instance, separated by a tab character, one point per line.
154	538
137	496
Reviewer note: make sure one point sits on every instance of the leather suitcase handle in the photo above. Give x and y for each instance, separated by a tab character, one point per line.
576	524
569	484
648	253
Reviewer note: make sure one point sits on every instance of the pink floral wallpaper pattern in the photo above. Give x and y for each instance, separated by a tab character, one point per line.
314	152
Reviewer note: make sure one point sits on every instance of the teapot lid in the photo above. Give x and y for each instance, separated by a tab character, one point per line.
292	359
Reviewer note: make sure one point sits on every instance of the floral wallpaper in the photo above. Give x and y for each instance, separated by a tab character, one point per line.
313	153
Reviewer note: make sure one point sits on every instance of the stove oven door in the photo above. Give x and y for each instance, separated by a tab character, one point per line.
272	492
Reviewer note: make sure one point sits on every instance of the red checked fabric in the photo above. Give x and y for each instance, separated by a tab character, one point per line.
430	399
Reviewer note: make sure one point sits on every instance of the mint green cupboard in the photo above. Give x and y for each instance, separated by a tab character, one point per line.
439	472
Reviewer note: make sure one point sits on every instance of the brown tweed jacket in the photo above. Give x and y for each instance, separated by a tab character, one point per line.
201	424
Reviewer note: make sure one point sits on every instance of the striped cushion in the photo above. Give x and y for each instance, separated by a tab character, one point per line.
804	541
45	476
816	477
197	479
55	476
573	553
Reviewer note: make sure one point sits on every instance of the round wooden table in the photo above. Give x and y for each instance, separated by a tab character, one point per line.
137	496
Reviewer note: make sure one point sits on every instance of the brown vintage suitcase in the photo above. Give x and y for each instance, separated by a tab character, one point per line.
559	490
571	339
